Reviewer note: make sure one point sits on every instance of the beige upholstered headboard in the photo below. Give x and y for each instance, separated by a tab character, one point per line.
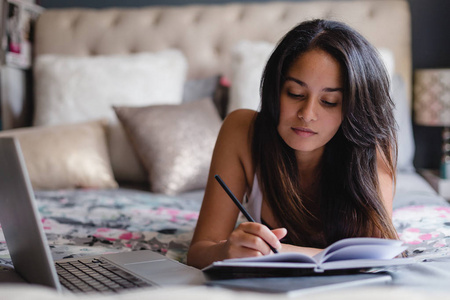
205	33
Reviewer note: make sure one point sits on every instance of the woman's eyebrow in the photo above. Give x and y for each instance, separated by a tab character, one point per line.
296	81
327	89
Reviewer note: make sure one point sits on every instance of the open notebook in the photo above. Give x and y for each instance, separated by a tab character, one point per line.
344	255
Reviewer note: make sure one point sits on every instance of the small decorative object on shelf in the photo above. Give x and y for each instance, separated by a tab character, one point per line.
18	24
432	107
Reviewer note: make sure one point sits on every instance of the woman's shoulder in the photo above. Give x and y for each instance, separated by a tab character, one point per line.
235	137
239	121
241	116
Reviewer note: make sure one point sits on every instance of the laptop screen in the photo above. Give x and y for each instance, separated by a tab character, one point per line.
20	220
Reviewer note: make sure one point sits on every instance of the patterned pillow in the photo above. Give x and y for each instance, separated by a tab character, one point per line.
174	142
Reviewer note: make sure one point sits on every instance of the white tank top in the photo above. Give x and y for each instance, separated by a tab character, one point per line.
253	201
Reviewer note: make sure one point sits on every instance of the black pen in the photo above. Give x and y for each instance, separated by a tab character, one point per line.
239	205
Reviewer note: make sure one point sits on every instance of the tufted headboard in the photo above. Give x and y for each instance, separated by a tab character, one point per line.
205	33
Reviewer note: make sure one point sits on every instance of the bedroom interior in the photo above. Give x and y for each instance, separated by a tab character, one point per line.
111	176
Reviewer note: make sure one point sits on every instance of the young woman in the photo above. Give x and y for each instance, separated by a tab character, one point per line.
316	164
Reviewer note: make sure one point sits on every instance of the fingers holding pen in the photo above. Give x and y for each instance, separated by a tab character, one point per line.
252	239
250	236
263	236
279	233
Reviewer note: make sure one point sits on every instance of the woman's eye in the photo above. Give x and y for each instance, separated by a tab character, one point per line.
330	104
294	95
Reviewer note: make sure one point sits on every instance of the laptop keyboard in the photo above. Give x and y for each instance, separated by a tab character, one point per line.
96	275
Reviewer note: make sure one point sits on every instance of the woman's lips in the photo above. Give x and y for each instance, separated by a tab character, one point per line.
303	132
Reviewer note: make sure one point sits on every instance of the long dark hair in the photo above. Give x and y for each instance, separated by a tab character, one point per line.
349	195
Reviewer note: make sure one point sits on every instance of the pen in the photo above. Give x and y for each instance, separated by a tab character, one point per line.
239	205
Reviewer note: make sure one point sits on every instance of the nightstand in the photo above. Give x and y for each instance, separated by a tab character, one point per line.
441	186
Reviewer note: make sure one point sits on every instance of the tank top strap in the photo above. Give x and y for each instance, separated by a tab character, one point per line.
253	204
253	201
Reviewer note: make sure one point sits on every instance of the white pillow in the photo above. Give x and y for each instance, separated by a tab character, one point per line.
389	61
402	113
405	135
76	89
248	60
247	64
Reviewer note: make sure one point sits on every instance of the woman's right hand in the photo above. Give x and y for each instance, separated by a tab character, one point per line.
252	239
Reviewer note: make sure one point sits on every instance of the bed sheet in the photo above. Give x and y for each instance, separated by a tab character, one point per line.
89	222
421	217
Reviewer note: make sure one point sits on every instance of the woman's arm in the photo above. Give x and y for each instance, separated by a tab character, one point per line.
215	237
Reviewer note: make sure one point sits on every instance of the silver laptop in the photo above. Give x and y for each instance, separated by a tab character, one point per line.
30	252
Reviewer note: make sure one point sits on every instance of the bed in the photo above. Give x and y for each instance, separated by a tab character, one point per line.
113	171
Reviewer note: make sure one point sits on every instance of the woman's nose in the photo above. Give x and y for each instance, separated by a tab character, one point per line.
307	111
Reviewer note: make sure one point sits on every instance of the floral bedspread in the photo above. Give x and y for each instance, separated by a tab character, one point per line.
88	222
425	228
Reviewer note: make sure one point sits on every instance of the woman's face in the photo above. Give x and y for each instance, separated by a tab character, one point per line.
311	102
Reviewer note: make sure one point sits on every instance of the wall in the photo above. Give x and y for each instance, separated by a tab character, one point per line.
430	45
431	49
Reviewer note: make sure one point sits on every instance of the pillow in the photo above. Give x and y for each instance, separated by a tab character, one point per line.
402	113
389	61
76	89
214	87
405	135
174	142
195	89
66	156
248	60
247	65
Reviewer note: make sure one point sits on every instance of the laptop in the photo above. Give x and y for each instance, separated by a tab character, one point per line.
30	252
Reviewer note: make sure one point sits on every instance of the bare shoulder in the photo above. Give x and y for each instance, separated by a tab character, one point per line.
233	147
237	126
240	118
